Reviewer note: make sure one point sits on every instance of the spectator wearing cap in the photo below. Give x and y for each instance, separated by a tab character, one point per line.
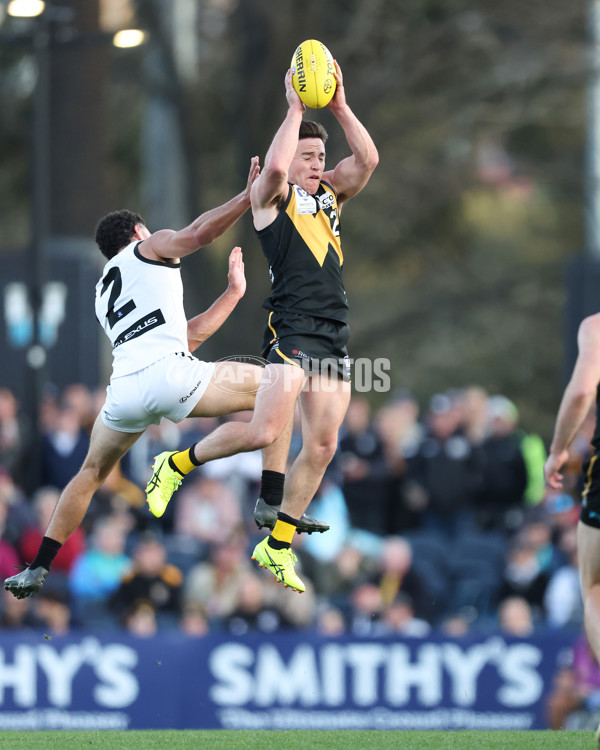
446	469
504	478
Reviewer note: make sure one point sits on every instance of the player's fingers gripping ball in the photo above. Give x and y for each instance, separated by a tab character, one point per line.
312	74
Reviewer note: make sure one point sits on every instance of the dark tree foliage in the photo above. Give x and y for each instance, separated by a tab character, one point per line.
456	251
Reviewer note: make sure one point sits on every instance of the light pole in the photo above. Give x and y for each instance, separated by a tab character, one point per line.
39	171
41	38
592	201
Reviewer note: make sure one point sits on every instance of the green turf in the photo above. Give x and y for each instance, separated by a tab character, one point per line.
295	740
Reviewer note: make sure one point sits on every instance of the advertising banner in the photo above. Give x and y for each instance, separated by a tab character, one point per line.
285	681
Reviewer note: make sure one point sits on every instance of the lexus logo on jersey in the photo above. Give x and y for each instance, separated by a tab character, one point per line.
141	326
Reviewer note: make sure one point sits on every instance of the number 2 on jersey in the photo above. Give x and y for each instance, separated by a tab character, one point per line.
114	316
335	223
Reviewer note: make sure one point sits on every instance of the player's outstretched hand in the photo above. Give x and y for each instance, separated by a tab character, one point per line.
291	94
339	98
236	276
252	174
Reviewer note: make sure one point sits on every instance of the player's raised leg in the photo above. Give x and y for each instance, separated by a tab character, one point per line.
273	402
232	388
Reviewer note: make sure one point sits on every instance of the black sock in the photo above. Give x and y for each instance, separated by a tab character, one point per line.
271	487
276	544
46	553
193	458
172	465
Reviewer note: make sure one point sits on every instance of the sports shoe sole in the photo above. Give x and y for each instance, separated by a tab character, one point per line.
265	517
26	583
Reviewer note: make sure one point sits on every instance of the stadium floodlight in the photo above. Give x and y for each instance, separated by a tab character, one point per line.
26	8
129	38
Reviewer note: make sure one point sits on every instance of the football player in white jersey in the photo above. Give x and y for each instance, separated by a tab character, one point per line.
139	302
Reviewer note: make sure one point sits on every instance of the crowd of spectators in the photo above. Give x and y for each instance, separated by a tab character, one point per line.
439	521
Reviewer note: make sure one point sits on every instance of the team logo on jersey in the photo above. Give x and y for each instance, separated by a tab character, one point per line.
300	353
305	203
326	200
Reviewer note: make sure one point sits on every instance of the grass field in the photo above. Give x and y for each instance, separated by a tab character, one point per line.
296	740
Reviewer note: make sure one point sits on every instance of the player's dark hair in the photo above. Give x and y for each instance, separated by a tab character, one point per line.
115	230
310	129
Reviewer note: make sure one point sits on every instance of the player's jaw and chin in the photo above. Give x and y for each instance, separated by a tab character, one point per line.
309	182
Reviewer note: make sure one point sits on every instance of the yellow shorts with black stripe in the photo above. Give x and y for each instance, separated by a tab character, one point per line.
318	345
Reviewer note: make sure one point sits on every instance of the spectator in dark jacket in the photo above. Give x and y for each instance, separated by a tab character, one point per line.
151	580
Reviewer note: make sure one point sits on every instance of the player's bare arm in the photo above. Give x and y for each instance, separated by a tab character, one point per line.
577	400
167	244
204	325
351	175
271	187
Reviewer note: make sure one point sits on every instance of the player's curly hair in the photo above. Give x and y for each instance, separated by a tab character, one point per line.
310	129
115	230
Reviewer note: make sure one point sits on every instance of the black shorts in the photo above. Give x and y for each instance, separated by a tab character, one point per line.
590	497
318	345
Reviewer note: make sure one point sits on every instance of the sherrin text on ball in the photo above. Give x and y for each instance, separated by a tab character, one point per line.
312	73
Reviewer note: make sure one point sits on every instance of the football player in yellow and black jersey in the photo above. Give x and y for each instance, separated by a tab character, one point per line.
296	209
577	401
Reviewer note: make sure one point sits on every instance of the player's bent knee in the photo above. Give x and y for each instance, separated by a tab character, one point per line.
264	435
95	472
321	453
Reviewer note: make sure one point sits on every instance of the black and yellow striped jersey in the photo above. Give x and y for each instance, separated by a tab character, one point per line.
302	247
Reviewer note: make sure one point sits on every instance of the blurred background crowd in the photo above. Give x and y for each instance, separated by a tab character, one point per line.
440	522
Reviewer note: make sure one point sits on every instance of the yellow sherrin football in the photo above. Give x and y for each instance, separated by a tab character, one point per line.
312	73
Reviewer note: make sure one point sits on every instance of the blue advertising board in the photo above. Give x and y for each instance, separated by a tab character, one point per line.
285	681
